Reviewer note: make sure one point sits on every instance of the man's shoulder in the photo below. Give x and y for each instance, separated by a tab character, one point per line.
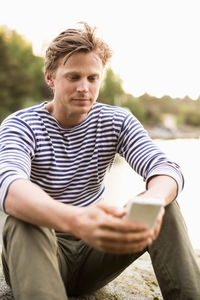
25	114
113	111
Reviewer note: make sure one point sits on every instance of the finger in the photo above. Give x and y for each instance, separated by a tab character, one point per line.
118	237
159	224
124	248
112	210
123	225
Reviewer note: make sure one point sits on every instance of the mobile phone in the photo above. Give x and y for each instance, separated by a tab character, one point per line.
145	210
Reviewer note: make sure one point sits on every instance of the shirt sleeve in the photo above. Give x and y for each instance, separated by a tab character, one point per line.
143	155
16	150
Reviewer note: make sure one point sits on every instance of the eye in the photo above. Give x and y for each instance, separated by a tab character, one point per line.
74	77
92	78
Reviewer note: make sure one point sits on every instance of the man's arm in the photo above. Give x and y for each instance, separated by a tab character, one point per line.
145	157
163	187
28	202
100	225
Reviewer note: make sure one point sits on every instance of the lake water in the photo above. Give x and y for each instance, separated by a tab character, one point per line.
122	182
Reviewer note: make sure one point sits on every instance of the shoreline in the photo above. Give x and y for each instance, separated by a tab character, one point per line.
181	132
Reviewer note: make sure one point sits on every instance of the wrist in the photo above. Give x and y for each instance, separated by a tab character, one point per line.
162	187
64	217
69	222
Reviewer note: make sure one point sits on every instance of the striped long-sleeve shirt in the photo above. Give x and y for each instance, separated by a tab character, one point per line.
70	163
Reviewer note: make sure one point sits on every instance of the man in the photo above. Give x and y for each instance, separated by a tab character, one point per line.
59	238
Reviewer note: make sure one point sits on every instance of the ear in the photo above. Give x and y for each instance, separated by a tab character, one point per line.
49	79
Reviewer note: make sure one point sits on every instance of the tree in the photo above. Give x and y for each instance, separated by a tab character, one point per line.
136	107
11	76
21	75
111	90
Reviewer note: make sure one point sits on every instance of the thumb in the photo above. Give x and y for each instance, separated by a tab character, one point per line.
112	210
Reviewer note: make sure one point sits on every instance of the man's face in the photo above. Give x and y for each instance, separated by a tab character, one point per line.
76	86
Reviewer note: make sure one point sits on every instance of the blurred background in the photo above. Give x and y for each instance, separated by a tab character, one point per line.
154	73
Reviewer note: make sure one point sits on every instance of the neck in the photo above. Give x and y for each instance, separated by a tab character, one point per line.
64	118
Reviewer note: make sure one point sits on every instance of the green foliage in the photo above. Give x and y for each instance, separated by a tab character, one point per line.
22	84
153	110
149	109
111	89
137	108
189	114
21	74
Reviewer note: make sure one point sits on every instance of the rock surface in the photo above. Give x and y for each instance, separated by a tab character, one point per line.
136	282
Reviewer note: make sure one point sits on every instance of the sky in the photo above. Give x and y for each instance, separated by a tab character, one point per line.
156	43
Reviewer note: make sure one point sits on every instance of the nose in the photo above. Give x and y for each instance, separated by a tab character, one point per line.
82	86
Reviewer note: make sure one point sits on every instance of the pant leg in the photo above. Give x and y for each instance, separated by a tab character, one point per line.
30	261
94	269
173	258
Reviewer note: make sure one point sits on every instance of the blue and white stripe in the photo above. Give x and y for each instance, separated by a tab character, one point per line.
70	163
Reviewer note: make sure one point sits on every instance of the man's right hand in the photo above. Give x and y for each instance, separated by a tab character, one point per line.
102	227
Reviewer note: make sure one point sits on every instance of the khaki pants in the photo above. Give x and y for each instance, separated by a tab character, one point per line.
43	265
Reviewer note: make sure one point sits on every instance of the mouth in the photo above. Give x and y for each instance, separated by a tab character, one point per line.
81	100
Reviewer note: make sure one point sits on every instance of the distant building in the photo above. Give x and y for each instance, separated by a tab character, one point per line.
169	121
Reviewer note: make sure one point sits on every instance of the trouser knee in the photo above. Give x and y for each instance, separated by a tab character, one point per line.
16	230
25	244
173	222
173	258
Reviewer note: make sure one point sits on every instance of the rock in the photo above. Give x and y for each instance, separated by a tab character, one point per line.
137	282
5	292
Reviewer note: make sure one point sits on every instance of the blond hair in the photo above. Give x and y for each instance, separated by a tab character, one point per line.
75	40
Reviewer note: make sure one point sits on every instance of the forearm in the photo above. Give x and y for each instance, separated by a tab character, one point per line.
28	202
100	226
162	186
